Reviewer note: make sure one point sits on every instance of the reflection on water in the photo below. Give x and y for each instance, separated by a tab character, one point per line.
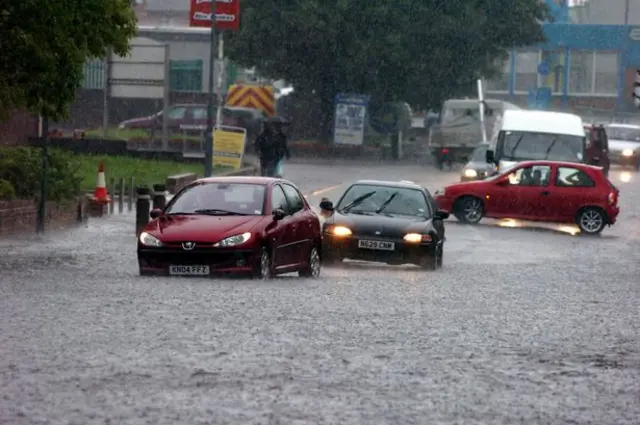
513	223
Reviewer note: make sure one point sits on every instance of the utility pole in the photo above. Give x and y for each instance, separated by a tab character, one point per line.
626	12
42	202
208	142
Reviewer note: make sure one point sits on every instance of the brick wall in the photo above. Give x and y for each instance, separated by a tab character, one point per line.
20	216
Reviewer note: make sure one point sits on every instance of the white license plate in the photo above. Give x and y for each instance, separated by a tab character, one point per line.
379	245
189	270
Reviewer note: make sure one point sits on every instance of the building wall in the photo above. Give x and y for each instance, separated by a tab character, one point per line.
607	12
586	61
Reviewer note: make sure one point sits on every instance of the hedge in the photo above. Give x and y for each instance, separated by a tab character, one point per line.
21	174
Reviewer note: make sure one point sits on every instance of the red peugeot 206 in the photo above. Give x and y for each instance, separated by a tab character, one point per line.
560	192
251	225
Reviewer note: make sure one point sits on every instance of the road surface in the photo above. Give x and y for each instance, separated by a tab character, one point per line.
522	326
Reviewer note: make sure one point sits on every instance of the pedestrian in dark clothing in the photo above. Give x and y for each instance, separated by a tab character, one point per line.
271	147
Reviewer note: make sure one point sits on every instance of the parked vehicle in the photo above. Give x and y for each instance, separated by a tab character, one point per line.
562	192
251	225
182	118
478	168
383	221
537	135
597	152
624	144
458	131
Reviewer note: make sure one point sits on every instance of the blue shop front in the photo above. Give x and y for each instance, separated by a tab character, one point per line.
590	66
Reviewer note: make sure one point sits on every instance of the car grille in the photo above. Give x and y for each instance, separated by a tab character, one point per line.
213	257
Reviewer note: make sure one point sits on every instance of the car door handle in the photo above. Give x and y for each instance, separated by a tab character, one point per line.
545	193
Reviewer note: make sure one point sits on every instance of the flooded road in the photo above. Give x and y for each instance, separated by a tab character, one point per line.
523	325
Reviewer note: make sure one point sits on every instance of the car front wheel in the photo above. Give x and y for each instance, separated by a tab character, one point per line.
591	220
262	269
469	209
433	260
312	269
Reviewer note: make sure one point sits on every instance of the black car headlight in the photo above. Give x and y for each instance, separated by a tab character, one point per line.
148	240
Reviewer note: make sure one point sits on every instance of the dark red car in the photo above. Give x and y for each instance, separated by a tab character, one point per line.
561	192
251	225
182	117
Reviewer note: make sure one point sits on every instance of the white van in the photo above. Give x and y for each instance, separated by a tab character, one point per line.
536	135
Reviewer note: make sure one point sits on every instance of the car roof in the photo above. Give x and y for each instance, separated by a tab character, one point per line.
578	165
265	181
405	184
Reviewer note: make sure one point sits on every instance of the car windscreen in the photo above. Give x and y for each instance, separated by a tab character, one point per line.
480	154
387	200
624	133
234	198
522	146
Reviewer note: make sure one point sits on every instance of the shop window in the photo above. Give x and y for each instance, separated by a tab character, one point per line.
526	70
606	70
581	72
500	81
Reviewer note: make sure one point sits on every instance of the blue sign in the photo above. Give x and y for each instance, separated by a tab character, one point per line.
350	119
543	68
539	98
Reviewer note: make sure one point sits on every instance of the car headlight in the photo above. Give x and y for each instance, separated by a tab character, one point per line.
416	238
627	152
147	240
470	173
121	127
234	240
340	231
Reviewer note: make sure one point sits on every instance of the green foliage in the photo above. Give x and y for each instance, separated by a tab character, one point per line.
22	168
419	51
45	44
7	191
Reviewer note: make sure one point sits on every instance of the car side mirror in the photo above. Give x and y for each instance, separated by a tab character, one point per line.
489	157
278	214
468	112
155	213
503	182
326	205
441	215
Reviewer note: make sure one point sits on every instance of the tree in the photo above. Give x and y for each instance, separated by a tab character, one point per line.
420	51
44	45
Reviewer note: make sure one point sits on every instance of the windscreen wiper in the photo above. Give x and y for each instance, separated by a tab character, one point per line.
386	203
357	201
548	151
214	211
516	145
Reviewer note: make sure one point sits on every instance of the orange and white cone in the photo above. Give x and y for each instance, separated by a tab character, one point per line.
100	195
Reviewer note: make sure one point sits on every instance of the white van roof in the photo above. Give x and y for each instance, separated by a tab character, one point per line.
542	122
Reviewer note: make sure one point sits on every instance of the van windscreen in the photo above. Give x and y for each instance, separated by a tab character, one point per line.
523	146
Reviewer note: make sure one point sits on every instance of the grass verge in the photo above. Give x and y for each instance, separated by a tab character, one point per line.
145	171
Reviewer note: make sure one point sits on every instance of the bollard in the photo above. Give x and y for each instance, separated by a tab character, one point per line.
121	196
143	204
112	194
159	198
131	192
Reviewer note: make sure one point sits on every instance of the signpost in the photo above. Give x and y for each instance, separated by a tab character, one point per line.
227	18
350	119
228	146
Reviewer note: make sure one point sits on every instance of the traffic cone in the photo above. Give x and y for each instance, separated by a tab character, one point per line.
100	195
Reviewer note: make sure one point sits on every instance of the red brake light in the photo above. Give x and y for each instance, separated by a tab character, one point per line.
612	198
445	150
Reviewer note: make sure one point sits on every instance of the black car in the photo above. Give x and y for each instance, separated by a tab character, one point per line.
478	168
385	222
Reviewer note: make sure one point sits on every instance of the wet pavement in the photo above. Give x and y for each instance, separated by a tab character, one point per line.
523	326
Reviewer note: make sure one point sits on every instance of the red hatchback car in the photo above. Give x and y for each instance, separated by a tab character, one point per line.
251	225
561	192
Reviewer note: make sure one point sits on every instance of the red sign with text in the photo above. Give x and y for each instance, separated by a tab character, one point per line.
227	14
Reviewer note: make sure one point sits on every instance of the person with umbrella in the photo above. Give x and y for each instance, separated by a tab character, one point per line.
272	147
